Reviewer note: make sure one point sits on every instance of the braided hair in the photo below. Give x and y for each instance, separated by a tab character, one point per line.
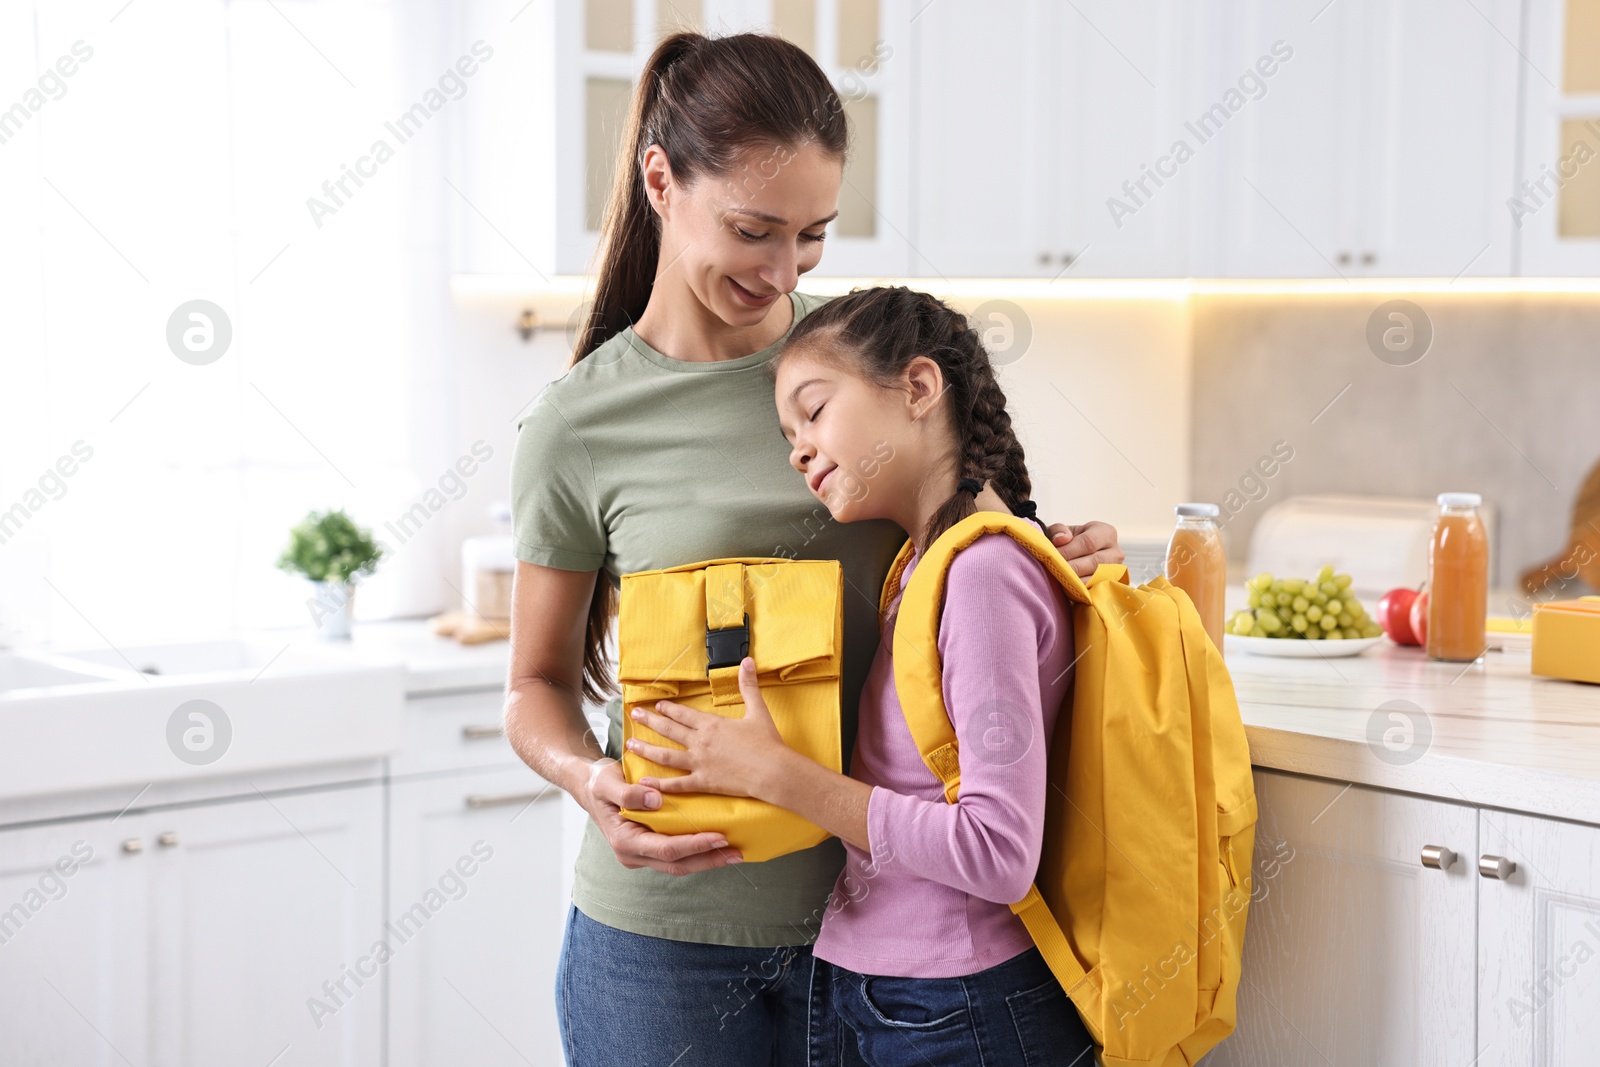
881	330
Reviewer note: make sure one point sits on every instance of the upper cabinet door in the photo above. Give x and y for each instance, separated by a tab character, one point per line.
1045	135
1381	145
1555	208
1282	117
1438	129
1131	83
983	107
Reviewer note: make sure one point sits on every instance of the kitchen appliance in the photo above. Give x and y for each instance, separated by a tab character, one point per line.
1381	542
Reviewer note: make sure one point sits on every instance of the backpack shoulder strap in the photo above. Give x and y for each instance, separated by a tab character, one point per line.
918	671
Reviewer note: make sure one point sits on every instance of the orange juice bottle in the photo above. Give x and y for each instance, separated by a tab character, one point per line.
1195	563
1458	579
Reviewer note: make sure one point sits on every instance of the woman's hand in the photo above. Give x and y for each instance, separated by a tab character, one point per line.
604	796
1087	546
733	757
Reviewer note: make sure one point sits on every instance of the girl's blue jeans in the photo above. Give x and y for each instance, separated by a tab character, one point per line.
625	999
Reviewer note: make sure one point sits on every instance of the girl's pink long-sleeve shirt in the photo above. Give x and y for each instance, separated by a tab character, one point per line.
931	900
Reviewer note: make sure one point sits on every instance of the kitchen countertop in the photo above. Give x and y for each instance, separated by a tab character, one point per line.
433	664
1488	733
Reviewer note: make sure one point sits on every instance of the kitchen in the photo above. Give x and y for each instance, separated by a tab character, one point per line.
1313	263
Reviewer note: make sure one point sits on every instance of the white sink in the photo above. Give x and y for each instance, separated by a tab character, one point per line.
81	720
23	672
198	657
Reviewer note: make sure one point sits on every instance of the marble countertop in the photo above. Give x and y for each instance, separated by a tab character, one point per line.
1488	733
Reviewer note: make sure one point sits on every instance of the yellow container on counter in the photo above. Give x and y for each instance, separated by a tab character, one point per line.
1566	639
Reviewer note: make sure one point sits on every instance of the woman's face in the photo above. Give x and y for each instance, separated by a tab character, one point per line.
742	240
863	449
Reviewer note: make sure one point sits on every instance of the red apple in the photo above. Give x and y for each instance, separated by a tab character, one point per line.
1394	615
1419	618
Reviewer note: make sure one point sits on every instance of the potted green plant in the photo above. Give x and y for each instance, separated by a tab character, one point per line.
330	551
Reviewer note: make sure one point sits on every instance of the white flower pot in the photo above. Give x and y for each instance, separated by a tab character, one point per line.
329	606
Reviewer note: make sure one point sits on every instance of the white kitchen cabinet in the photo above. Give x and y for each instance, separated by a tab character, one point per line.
75	949
1036	121
542	140
199	935
264	915
477	909
1355	952
456	731
1382	146
1538	942
1556	205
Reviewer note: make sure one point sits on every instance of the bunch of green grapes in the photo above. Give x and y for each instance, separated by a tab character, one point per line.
1313	609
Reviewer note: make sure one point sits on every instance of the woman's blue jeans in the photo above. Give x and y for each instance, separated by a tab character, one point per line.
626	999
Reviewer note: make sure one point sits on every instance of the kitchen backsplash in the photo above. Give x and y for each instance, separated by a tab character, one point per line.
1505	401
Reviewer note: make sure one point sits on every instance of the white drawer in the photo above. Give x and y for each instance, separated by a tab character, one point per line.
455	731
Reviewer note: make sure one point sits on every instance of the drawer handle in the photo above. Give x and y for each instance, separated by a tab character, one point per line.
482	733
168	839
496	800
133	846
1496	867
1438	857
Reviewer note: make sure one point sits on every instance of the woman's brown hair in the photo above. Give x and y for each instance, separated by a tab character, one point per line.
707	101
879	331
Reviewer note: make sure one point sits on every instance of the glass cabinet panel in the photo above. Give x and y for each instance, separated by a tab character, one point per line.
605	112
608	25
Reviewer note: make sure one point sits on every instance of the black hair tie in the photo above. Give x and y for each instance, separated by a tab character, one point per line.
970	485
1025	510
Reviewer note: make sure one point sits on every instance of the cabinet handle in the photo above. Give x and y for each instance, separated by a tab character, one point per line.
495	800
1044	259
132	845
1067	259
482	733
1343	258
1438	857
1496	867
167	839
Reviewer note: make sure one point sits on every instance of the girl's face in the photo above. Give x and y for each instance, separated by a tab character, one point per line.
742	240
865	451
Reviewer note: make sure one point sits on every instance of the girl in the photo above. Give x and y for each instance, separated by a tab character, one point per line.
893	413
654	449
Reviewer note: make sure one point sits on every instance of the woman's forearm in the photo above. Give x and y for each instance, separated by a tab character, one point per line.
546	728
834	801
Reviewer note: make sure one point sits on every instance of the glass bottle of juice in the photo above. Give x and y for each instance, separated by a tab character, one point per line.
1458	579
1195	563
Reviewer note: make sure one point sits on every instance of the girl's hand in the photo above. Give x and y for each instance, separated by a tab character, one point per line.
733	757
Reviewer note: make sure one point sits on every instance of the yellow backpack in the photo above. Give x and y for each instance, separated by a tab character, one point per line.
1139	904
681	632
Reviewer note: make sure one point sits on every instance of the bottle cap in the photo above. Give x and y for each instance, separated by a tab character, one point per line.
1460	500
1197	511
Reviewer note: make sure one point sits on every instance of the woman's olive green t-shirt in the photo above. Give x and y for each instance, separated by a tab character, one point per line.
631	461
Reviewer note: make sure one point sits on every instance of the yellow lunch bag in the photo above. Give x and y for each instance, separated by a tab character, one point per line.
682	632
1143	887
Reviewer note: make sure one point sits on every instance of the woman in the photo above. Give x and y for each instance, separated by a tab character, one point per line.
657	448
